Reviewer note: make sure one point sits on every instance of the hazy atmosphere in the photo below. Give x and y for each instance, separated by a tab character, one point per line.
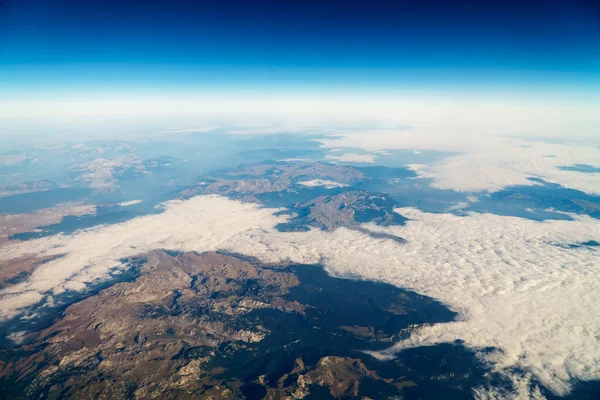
300	200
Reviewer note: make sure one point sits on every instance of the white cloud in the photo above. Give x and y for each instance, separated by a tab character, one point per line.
558	114
458	206
17	337
199	224
484	163
130	203
515	287
322	182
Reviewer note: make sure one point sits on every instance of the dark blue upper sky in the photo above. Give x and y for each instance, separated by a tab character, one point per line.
60	43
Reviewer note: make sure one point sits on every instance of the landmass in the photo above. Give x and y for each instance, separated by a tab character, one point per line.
11	224
27	187
329	202
218	325
248	182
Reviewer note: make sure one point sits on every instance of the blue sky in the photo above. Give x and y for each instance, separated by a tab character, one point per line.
53	46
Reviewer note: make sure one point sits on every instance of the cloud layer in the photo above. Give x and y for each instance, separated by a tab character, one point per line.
327	184
484	163
199	224
516	283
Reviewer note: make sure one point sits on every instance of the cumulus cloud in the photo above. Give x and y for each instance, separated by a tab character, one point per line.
458	206
130	203
483	163
327	184
516	283
199	224
513	287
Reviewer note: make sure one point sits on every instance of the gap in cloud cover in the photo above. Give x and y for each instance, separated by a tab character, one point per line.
517	284
478	119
